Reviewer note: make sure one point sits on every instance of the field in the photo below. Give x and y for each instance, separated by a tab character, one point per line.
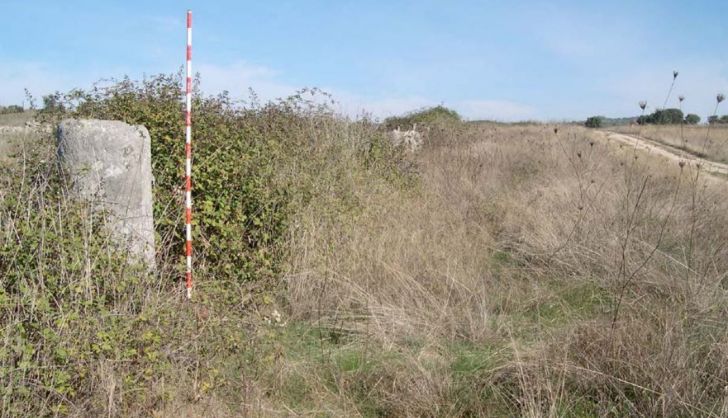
501	270
703	141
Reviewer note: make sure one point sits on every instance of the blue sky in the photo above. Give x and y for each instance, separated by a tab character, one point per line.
506	60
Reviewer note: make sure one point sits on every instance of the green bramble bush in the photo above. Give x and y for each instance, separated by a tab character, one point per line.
240	196
84	332
70	302
238	216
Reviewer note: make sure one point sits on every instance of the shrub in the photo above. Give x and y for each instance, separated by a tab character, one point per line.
81	326
53	102
238	216
243	184
692	119
432	115
69	301
594	122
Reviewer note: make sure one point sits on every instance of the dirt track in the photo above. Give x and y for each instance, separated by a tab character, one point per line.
671	153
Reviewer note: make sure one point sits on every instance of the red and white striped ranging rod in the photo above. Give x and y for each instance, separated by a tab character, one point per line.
188	159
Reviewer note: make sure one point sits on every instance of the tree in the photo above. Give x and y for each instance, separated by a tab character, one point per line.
692	119
668	116
662	117
594	122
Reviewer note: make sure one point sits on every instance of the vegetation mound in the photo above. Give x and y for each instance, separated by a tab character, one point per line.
437	115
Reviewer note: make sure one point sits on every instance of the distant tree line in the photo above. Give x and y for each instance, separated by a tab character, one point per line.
668	117
658	117
10	109
715	119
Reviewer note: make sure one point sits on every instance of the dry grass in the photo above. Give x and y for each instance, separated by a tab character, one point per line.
586	279
17	119
707	142
525	273
11	144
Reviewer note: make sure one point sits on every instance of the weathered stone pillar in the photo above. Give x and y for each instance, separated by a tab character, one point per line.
109	164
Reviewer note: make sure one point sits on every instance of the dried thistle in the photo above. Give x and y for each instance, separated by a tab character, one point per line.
681	98
672	85
720	97
643	104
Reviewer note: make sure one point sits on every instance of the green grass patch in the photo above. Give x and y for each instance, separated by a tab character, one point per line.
472	358
584	300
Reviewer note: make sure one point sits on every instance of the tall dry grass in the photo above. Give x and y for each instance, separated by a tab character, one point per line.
590	278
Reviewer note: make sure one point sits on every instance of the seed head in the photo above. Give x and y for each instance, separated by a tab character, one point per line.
674	74
643	104
720	97
681	98
681	164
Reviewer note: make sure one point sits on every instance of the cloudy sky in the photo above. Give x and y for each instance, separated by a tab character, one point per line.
505	60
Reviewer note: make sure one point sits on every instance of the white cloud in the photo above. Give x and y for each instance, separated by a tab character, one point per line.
240	76
41	79
500	110
356	105
38	78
